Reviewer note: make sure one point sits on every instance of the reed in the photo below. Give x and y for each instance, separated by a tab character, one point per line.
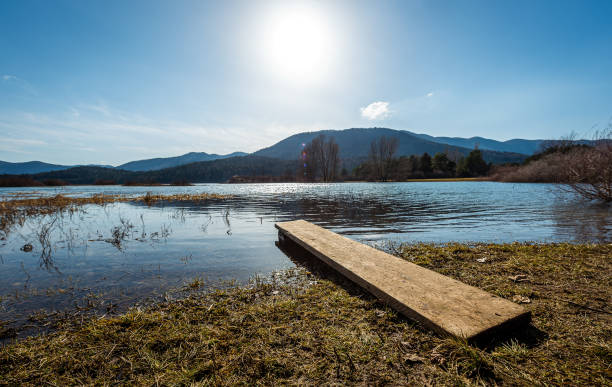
14	210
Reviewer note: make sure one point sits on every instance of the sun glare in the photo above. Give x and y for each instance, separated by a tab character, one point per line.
297	43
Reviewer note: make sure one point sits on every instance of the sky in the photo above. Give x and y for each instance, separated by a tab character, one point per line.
106	82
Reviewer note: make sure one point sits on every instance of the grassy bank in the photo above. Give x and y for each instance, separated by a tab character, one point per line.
299	328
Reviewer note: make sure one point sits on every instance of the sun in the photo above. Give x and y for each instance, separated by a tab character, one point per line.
297	43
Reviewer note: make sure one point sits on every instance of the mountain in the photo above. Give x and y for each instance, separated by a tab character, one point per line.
88	175
29	167
214	171
167	162
221	170
32	167
203	167
526	147
354	144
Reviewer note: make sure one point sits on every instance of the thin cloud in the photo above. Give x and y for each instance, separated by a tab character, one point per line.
15	81
376	111
99	107
91	135
18	145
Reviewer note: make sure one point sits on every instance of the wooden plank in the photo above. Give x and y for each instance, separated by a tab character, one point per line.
441	303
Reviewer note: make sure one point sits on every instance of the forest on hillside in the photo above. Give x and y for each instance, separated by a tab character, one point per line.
320	162
215	171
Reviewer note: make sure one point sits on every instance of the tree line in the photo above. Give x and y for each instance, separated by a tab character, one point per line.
441	165
220	170
319	161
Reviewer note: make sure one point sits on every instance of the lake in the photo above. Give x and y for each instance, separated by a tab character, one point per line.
106	258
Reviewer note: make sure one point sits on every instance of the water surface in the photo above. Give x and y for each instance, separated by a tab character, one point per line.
105	258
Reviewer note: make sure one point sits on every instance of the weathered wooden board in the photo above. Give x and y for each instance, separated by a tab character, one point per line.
441	303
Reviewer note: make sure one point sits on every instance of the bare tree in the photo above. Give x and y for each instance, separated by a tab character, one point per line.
381	156
331	161
589	169
310	160
321	158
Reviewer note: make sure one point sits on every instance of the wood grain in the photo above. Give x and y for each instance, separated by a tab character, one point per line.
441	303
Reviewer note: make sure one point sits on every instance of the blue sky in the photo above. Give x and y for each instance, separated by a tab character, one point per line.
112	81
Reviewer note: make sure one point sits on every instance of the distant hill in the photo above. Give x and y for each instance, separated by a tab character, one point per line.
32	167
526	147
221	170
355	144
214	171
168	162
29	167
88	175
354	148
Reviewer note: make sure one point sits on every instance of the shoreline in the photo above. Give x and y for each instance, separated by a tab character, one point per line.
308	326
193	184
432	180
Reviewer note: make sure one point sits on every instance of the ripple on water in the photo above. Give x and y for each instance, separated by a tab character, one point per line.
101	257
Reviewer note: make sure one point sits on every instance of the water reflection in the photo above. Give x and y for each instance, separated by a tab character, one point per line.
591	222
436	212
104	258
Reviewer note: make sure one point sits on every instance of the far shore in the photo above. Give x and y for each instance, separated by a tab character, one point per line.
255	181
246	180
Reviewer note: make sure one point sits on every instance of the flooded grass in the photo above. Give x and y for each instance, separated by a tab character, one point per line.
17	209
63	201
301	328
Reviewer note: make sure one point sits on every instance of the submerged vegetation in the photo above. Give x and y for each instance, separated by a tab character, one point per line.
300	328
15	210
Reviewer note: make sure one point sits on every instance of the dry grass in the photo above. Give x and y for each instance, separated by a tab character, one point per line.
549	169
60	201
301	329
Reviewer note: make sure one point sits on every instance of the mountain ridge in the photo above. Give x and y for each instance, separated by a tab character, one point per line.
168	162
354	146
31	167
212	171
35	167
354	143
515	145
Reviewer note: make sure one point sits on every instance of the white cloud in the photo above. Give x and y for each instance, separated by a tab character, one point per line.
376	111
430	94
7	77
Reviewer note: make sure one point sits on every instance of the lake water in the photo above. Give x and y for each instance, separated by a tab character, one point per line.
105	258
